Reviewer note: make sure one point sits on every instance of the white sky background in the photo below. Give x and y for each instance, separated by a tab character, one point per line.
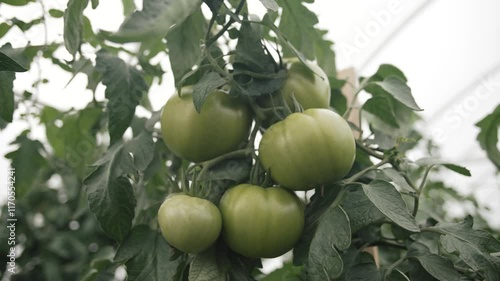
448	49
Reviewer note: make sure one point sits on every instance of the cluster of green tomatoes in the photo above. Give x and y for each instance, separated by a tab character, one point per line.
302	151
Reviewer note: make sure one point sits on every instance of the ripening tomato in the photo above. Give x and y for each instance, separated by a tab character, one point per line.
222	125
261	222
190	224
308	149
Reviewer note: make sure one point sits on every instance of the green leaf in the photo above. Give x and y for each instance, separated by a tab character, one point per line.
206	267
488	136
112	200
382	108
24	56
320	203
17	2
399	90
7	95
325	56
486	264
95	3
250	53
73	22
110	193
389	201
428	161
3	124
254	68
55	13
28	161
183	44
154	20
397	275
473	246
8	64
386	70
288	272
207	85
323	261
360	210
73	142
397	179
101	269
363	269
270	5
236	170
4	28
124	89
458	169
297	25
128	7
437	266
418	273
146	255
25	26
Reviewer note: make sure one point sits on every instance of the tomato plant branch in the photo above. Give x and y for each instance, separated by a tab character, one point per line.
360	88
389	244
258	110
214	38
358	175
420	190
368	150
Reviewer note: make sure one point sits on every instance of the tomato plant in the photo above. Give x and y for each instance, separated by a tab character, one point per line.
86	182
188	223
308	149
261	222
222	125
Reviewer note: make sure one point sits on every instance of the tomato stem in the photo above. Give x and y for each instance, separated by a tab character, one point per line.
420	190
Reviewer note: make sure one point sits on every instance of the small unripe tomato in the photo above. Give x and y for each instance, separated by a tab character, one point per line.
308	149
222	125
309	84
190	224
261	222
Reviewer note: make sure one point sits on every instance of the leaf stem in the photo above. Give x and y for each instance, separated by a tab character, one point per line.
393	266
339	197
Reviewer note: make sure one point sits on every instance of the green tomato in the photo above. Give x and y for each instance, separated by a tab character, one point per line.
308	84
188	223
310	88
261	222
222	126
308	149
